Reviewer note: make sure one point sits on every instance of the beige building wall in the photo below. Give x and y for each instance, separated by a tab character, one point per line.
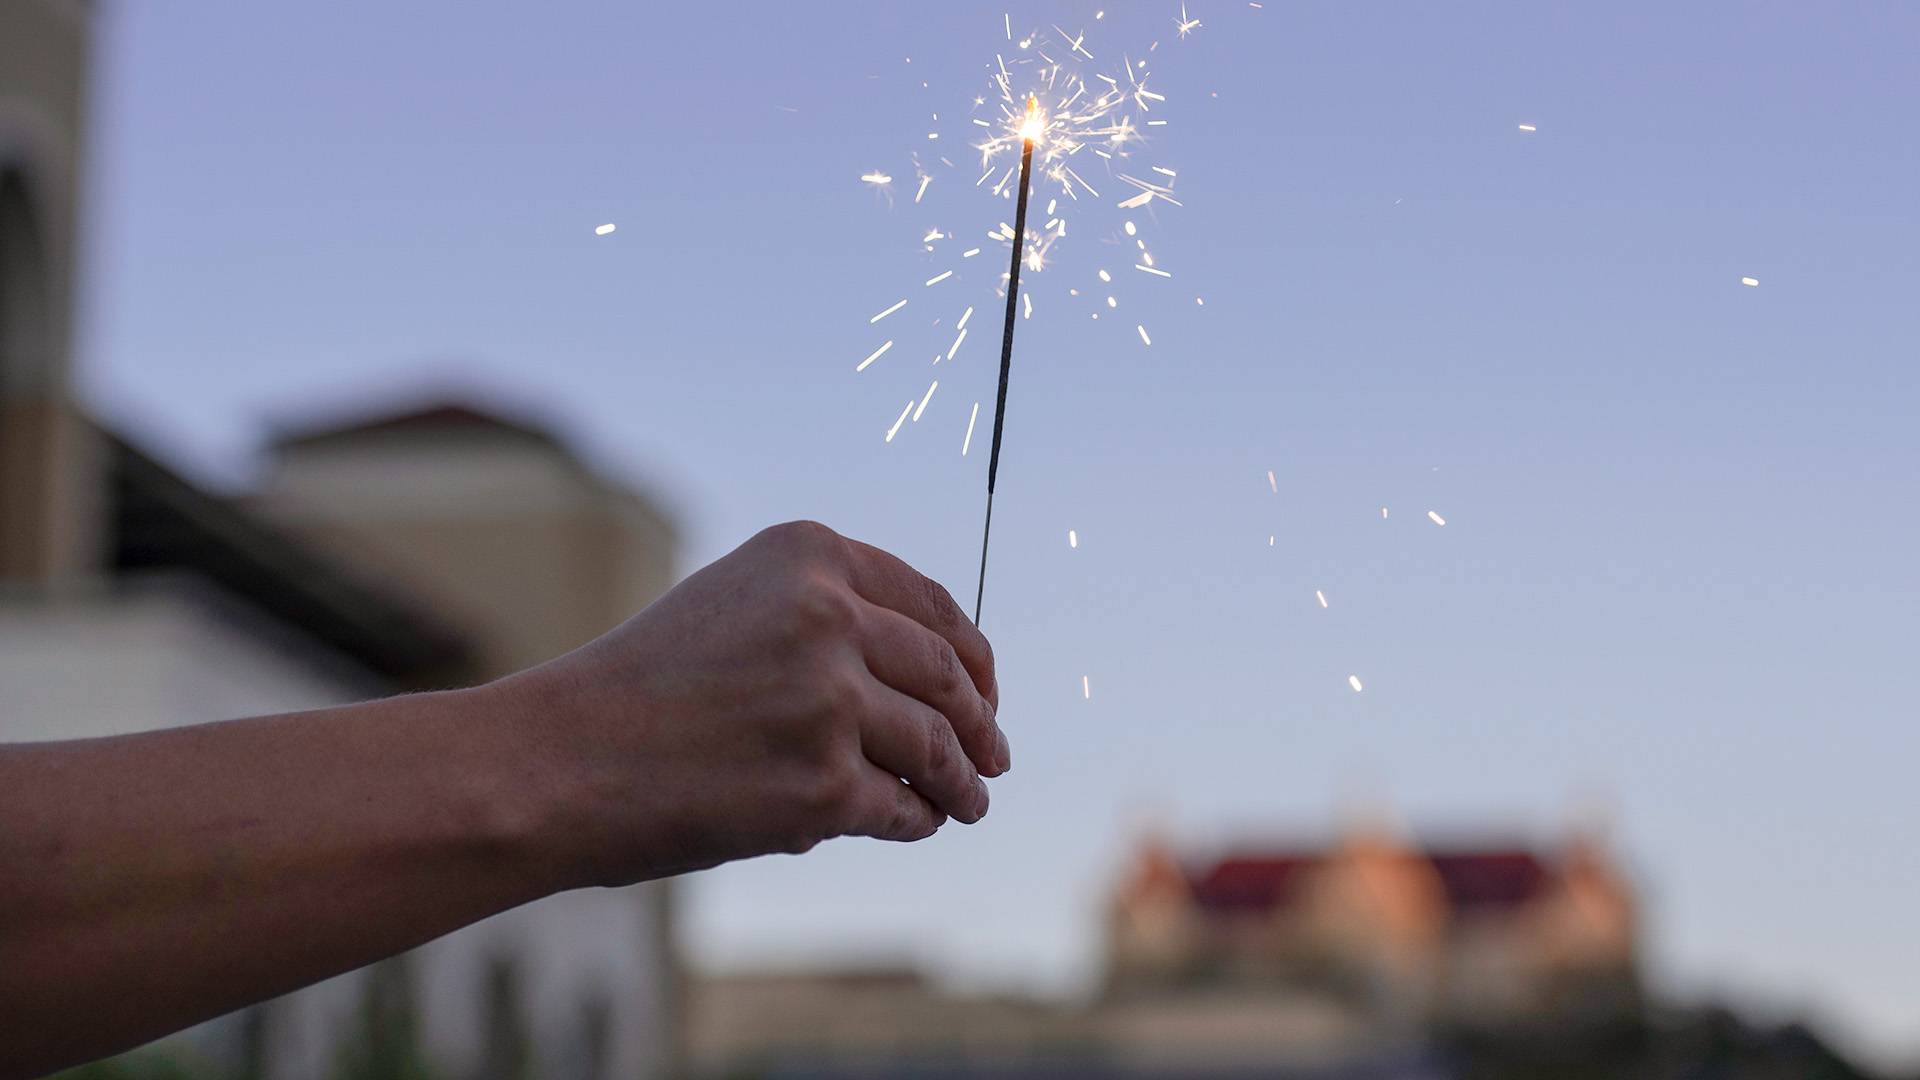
47	512
503	532
506	534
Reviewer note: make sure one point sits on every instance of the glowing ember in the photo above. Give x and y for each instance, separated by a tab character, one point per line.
1435	517
887	312
605	229
1354	681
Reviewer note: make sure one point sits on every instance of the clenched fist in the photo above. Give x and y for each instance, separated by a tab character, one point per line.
805	686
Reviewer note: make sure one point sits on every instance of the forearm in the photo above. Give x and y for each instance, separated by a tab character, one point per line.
151	881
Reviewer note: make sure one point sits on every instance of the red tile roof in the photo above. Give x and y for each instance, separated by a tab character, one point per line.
1489	879
1250	883
1472	880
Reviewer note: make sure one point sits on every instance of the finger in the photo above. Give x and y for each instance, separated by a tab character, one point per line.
921	664
885	580
887	809
914	742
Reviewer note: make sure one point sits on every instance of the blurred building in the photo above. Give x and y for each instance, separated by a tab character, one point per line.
1370	940
439	546
1366	957
1483	935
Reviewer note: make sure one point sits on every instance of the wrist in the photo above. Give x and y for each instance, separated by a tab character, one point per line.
518	790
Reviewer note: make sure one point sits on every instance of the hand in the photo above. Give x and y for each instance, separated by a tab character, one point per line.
775	699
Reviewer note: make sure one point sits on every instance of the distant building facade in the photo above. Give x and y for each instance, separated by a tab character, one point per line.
1369	956
1398	934
438	546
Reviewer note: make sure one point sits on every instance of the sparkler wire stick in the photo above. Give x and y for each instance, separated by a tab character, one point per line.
1028	131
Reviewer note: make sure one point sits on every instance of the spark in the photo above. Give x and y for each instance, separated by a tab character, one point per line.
932	235
1753	282
1199	301
1074	42
1073	539
924	181
1185	24
603	230
969	253
877	177
1528	127
1435	517
889	311
895	429
1112	303
1354	681
1269	539
1130	228
1383	513
1164	171
1086	687
1273	482
924	400
877	354
956	341
1007	17
1104	276
940	277
964	316
968	441
1151	270
1027	298
1144	339
1320	596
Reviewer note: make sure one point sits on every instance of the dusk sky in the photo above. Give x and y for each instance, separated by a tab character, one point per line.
1676	586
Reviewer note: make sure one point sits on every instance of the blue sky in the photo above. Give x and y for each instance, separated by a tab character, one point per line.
1676	576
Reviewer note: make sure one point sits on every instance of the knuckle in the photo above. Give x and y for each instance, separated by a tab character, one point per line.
904	820
842	696
939	601
829	798
937	751
821	608
804	537
949	675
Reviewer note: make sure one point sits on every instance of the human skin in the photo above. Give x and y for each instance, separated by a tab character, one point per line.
777	698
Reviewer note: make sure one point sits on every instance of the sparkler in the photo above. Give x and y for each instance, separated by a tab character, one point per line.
1030	129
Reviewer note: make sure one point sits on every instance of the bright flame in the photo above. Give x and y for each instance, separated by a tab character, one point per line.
1035	124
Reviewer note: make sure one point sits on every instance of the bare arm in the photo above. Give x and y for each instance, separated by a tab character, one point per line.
776	699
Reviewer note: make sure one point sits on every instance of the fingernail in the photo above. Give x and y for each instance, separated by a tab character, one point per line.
1002	753
980	798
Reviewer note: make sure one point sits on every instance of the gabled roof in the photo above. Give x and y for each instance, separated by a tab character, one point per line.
1489	879
1250	882
1254	882
438	418
160	521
